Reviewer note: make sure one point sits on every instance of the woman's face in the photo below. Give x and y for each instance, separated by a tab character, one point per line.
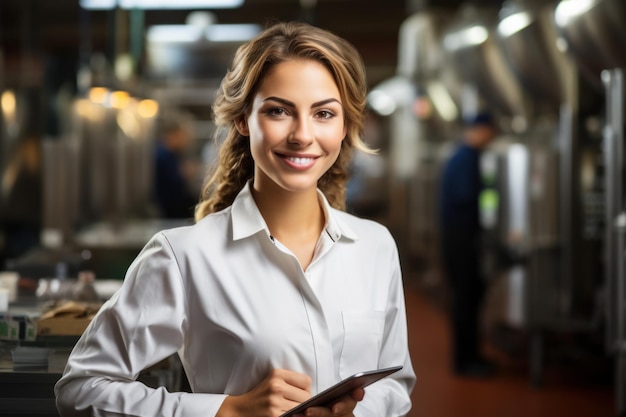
296	126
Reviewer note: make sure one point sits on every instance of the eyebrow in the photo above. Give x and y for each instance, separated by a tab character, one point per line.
291	104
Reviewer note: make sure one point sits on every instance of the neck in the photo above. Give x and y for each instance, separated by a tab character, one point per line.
295	219
290	215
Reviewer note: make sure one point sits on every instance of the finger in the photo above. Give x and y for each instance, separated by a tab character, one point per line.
345	405
318	412
296	379
292	387
358	394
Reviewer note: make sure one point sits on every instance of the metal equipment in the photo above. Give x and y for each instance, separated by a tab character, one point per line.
536	65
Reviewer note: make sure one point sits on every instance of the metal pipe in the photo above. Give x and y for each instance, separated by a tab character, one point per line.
567	147
613	158
620	374
615	268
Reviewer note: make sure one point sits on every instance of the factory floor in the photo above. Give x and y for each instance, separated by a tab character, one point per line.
578	389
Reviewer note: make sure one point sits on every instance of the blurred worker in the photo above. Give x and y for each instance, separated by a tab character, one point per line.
173	177
461	185
21	199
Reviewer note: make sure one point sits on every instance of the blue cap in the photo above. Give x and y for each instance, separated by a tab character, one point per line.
480	118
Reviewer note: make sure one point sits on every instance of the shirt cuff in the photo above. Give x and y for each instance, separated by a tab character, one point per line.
200	405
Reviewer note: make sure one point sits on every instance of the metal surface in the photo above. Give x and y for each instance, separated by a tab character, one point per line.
594	32
474	52
528	41
198	60
60	187
615	273
614	168
419	55
620	283
567	201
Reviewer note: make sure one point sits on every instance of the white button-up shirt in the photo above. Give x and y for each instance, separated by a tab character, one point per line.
235	303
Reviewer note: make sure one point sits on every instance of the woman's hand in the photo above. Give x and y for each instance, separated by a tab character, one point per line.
342	408
279	392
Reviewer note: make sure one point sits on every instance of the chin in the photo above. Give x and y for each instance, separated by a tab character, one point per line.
297	187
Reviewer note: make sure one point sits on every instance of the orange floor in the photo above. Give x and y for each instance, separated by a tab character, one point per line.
438	393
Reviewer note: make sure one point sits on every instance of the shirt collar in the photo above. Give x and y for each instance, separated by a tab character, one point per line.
247	219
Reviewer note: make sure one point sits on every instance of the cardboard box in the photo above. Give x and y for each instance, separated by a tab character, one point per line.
68	319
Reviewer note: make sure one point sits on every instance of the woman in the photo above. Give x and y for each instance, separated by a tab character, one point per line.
275	293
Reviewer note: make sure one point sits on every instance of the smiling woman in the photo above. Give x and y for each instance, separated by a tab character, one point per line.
276	293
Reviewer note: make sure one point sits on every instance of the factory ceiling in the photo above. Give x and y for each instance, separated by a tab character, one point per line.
60	31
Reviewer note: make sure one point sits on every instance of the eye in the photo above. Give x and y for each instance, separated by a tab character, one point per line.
325	114
276	111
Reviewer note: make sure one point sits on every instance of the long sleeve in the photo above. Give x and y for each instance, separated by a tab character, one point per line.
142	324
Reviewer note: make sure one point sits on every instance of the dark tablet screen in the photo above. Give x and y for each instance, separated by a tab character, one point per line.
342	388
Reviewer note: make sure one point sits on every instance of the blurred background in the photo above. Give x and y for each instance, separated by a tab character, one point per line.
105	108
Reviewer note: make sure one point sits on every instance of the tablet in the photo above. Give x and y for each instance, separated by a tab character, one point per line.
342	388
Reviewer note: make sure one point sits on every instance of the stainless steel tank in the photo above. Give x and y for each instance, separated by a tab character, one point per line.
593	32
472	49
528	41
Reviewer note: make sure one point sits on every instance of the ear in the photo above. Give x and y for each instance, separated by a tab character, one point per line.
242	127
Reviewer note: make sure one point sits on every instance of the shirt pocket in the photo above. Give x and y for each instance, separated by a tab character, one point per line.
362	340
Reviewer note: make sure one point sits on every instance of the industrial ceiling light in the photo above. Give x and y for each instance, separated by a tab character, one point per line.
234	32
514	23
391	95
442	101
174	33
160	4
568	10
466	37
190	33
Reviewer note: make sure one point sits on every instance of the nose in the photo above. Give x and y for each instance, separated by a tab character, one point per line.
302	132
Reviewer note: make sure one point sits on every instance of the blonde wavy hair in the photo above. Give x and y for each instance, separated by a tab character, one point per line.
252	61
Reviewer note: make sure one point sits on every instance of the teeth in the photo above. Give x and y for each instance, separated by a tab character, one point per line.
299	161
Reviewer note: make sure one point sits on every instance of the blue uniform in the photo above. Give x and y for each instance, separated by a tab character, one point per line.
460	189
171	189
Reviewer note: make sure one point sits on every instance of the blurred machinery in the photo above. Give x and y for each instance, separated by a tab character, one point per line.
98	202
557	167
593	33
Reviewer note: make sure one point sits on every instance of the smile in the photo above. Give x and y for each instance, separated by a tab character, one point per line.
299	161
